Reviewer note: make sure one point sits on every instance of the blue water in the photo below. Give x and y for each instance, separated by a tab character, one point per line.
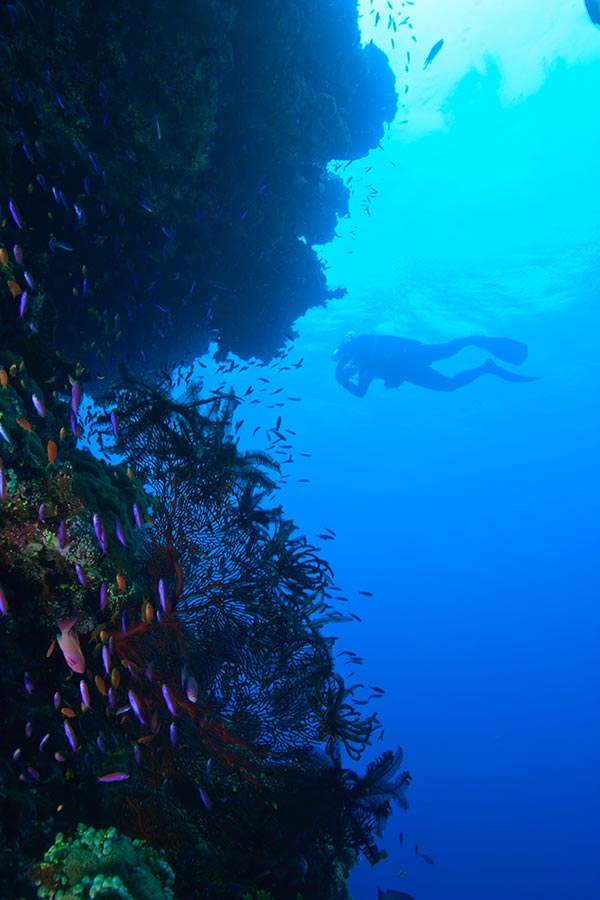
473	516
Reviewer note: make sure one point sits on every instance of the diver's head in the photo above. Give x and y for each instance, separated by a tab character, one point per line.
342	351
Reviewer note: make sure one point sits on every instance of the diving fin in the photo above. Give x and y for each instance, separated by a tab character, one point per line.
495	369
506	349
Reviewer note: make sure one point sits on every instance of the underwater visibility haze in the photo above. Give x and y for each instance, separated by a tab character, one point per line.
299	441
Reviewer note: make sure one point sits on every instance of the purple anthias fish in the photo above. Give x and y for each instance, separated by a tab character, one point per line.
68	641
205	798
14	211
135	705
162	595
168	699
119	533
113	776
85	695
70	736
75	397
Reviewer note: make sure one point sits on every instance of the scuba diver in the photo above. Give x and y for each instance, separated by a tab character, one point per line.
361	358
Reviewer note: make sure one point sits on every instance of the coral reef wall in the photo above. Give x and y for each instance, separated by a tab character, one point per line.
165	669
186	147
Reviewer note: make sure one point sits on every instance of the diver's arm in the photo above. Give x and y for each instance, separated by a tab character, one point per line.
344	373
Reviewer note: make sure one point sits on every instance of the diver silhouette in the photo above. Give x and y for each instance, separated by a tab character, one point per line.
361	358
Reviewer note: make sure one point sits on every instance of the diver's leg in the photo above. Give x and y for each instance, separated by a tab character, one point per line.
430	353
435	381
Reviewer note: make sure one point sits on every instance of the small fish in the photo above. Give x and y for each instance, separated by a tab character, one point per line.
168	699
28	683
25	424
14	211
80	575
75	397
14	287
4	434
427	859
85	695
433	53
3	602
135	705
137	515
113	776
162	595
68	641
205	799
114	423
70	736
52	451
191	689
103	594
38	405
119	533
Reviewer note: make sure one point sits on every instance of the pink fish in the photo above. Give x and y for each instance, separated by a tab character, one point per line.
68	641
75	397
113	776
39	405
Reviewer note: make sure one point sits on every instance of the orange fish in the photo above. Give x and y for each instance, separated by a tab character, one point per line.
69	713
4	379
4	256
52	450
121	583
100	684
23	423
148	613
115	678
14	287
